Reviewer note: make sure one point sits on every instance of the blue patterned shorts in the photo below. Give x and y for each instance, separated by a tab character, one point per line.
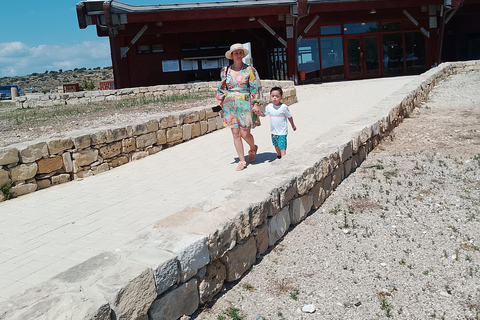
279	141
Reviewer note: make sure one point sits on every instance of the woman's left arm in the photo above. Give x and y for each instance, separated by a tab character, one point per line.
256	92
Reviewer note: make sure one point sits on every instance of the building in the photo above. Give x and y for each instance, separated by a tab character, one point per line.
320	40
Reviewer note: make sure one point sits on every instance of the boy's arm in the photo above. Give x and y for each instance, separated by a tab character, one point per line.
293	124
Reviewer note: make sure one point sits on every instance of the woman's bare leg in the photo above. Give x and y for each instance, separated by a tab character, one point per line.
238	143
248	137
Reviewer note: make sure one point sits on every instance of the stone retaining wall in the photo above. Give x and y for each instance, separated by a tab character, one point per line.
170	271
30	166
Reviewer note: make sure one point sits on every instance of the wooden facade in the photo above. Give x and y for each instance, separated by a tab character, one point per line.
323	39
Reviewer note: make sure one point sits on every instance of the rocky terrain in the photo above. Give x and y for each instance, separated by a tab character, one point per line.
51	81
398	239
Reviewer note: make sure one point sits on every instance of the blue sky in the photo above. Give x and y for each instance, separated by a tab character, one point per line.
36	36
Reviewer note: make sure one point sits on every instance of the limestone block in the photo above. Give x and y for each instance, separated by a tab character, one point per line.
212	125
23	172
8	156
202	114
139	155
146	140
61	178
139	129
174	134
128	145
345	151
119	134
104	167
33	152
47	165
67	162
164	265
183	300
336	177
4	178
327	185
347	168
203	127
154	149
362	154
22	189
85	157
60	145
167	122
300	207
322	169
243	226
2	196
238	260
110	150
152	125
212	282
278	225
192	257
222	240
118	161
43	184
191	117
82	142
161	137
83	174
261	238
187	132
195	129
287	192
102	136
306	181
318	195
258	214
219	122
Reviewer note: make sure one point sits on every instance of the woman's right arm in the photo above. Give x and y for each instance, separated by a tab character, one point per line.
222	88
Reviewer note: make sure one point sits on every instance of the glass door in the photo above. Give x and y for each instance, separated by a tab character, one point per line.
362	54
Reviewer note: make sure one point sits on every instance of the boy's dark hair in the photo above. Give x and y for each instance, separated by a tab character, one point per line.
277	89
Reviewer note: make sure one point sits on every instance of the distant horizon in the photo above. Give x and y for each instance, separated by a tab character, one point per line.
49	37
58	71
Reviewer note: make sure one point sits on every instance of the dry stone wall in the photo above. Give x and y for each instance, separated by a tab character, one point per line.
30	166
155	282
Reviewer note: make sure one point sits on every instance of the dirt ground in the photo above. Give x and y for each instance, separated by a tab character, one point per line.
398	239
44	125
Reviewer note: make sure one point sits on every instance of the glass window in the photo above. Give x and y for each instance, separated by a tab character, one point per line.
143	49
332	58
392	54
308	55
363	27
189	46
324	31
415	52
207	45
391	26
157	48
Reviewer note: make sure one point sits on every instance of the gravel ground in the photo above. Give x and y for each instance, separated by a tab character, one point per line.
399	238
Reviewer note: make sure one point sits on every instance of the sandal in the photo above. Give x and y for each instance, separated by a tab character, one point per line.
241	165
252	154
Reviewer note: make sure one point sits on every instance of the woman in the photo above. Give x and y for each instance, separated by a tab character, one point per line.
240	94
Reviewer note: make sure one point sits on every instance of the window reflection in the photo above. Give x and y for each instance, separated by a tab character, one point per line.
415	52
392	54
332	58
364	27
308	55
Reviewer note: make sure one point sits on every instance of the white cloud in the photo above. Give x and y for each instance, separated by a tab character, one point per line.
16	59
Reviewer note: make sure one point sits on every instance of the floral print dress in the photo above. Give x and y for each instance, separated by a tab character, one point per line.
239	95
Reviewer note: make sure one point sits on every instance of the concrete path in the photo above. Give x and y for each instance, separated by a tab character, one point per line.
49	231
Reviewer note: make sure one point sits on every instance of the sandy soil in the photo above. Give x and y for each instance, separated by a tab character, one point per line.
399	238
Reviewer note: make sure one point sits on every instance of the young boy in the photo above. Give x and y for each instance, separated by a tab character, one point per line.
279	113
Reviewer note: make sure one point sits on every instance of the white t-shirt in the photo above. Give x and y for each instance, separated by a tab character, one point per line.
278	118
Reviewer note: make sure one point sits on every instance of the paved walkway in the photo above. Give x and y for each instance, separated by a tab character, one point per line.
49	231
